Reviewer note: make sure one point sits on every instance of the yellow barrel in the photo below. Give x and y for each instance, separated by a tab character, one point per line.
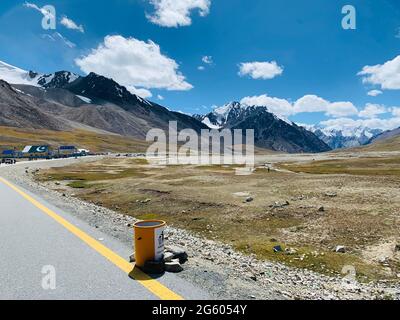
149	241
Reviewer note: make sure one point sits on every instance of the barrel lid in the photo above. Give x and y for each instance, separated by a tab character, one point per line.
150	224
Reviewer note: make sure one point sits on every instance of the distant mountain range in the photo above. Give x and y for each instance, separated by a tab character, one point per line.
66	101
339	139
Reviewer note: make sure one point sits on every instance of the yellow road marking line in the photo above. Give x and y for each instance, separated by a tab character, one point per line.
149	283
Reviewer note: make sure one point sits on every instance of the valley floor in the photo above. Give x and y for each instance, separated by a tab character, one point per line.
230	224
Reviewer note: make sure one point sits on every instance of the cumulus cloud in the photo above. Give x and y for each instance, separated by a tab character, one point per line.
374	93
144	93
175	13
307	103
280	107
70	24
134	63
160	97
395	111
201	68
386	75
260	70
372	110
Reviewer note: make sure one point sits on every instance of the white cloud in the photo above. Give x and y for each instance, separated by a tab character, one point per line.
306	104
386	75
374	93
70	24
395	111
207	59
143	93
56	36
201	68
310	103
341	109
313	103
280	107
132	62
372	110
160	97
260	70
175	13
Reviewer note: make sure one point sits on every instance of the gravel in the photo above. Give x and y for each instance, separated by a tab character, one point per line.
216	267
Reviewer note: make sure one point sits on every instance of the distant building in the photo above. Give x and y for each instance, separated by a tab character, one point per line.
65	151
8	154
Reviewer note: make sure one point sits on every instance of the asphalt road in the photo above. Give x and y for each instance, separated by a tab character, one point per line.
46	253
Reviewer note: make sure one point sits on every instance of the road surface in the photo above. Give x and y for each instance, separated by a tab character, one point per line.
46	253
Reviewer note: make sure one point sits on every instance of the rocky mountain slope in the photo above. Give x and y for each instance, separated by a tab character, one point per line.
64	100
20	110
270	131
385	135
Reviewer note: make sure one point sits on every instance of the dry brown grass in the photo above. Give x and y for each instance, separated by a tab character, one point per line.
365	212
16	137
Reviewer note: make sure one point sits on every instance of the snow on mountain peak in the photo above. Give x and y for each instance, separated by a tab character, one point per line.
15	75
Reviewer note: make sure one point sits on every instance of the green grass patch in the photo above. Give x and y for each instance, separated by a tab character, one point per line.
79	185
359	166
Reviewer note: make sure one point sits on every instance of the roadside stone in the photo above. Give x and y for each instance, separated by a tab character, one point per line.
340	249
331	194
278	205
249	199
321	209
397	248
178	253
168	256
290	251
174	266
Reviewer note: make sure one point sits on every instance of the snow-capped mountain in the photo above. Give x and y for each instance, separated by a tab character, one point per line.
15	75
339	139
270	131
230	112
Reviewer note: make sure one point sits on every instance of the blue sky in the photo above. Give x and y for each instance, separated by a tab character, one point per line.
316	57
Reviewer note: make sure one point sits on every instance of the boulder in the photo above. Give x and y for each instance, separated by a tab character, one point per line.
331	194
340	249
178	253
168	256
249	199
174	266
